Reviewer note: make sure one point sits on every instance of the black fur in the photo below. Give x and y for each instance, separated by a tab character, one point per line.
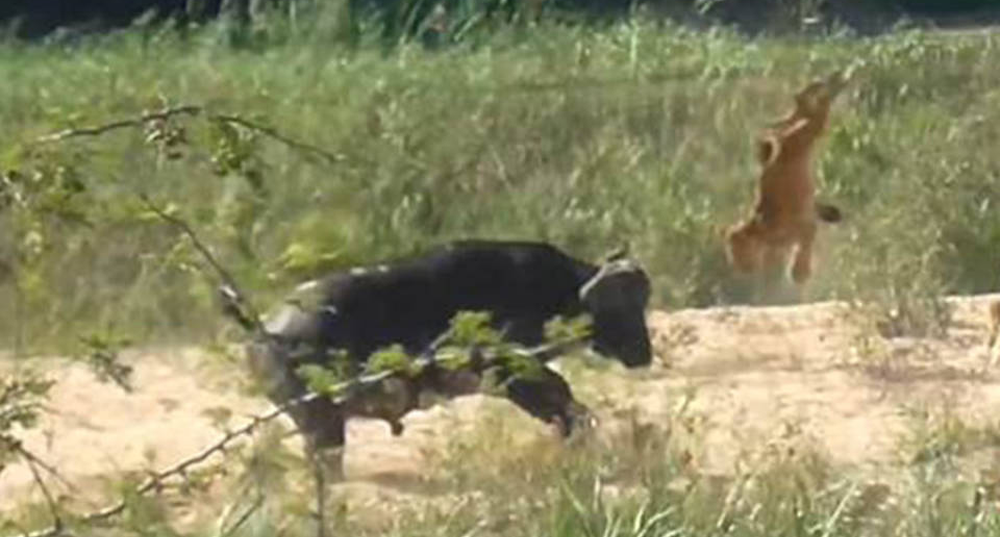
411	302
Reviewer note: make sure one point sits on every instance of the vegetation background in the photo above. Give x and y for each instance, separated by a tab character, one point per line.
587	132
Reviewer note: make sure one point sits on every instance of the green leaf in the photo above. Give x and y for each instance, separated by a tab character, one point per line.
520	365
560	329
320	379
392	358
469	328
453	358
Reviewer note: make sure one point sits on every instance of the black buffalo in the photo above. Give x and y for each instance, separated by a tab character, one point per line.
522	284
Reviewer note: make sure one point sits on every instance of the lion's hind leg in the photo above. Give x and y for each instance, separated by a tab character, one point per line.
745	249
802	266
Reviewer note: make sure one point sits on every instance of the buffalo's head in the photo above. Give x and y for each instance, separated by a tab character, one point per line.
616	298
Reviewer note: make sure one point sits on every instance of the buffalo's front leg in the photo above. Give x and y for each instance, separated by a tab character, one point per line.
319	420
322	424
326	453
548	397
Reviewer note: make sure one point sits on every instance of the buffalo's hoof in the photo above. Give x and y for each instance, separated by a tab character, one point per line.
396	428
579	422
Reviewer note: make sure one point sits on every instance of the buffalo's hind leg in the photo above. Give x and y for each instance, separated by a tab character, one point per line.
548	397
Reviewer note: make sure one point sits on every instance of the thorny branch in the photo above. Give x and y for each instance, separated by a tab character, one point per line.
120	124
237	307
236	304
347	388
273	133
57	524
189	110
31	457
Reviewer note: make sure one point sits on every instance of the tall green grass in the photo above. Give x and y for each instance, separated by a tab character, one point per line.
637	132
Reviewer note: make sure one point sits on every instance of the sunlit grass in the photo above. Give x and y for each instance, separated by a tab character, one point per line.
587	138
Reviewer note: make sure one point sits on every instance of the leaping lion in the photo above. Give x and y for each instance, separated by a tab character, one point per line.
786	213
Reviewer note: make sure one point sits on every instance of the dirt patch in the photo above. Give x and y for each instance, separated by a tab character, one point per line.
750	374
757	373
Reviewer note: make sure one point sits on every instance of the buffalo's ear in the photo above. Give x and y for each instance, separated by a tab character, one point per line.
622	252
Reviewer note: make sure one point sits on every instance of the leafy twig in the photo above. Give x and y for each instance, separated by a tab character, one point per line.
348	389
182	467
236	302
333	158
248	317
189	110
103	359
120	124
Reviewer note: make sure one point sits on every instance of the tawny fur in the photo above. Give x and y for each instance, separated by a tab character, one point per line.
786	213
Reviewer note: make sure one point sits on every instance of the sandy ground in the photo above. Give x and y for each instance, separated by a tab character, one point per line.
750	375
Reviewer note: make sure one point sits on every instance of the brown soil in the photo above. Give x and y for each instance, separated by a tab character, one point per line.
751	374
